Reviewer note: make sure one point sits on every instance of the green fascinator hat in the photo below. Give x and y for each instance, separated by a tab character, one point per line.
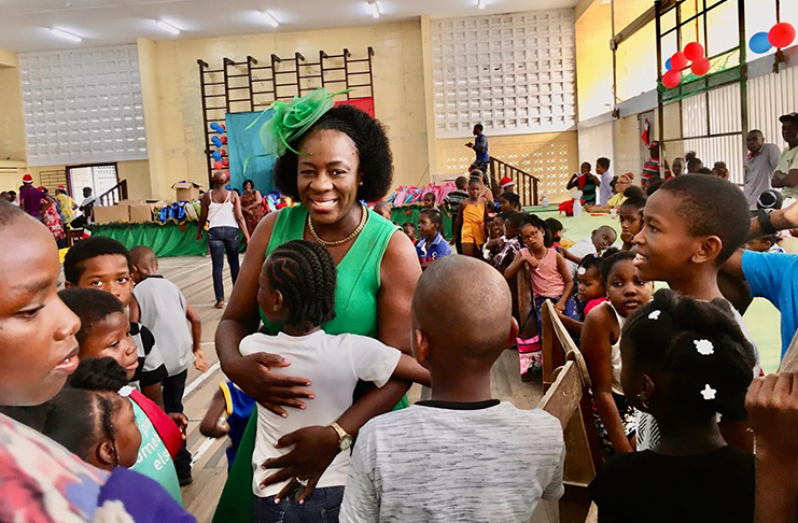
291	120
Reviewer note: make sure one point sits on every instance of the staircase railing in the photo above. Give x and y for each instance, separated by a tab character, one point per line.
114	195
526	185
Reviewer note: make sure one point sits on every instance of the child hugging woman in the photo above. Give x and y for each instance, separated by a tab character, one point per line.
684	361
472	220
600	345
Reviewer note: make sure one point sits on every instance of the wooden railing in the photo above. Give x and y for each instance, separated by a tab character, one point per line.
114	195
526	185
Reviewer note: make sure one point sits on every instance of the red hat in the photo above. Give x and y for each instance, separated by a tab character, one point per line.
27	179
62	187
506	182
41	187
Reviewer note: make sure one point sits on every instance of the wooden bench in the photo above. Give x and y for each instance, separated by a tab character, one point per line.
568	400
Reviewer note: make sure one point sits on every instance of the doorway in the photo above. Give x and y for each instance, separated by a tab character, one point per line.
100	178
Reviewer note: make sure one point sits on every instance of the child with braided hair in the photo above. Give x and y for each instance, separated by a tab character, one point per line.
297	289
684	361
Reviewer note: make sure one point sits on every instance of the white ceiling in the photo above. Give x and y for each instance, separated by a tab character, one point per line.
24	24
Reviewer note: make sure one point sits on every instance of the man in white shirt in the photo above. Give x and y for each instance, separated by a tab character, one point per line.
786	173
463	456
605	187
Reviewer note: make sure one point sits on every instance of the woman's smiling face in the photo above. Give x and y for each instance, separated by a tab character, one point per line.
328	175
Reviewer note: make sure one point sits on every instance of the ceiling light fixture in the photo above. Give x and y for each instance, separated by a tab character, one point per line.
168	27
481	4
271	20
374	9
65	35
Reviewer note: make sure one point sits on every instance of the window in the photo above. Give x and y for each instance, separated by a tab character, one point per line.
513	73
83	105
101	178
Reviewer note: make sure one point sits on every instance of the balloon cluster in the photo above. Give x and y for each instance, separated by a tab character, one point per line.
780	35
693	52
219	155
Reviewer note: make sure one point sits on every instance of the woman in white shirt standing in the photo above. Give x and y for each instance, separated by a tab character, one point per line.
221	209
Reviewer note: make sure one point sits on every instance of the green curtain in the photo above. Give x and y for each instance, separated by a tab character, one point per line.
409	213
166	240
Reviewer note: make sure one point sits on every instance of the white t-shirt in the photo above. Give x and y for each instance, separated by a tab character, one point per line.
581	249
163	311
334	365
440	462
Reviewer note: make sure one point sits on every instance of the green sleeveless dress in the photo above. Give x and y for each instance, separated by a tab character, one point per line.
355	313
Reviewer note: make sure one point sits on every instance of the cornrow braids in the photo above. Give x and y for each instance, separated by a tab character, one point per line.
699	348
304	272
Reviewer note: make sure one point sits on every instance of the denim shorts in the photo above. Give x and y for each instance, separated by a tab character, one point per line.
322	506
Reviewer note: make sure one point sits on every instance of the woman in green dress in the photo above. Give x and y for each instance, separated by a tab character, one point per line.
329	163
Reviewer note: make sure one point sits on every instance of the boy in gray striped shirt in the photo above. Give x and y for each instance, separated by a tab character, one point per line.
462	456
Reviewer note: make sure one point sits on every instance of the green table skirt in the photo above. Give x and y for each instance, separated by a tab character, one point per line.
166	240
409	213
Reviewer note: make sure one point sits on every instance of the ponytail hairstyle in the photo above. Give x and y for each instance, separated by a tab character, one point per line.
698	348
537	223
595	261
305	274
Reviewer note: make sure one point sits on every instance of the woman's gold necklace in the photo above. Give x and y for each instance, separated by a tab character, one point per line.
349	238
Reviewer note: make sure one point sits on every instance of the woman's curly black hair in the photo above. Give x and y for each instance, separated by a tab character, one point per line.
305	274
666	343
374	151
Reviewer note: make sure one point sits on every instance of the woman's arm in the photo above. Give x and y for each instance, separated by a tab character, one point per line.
565	272
203	217
597	348
240	217
572	182
458	222
210	426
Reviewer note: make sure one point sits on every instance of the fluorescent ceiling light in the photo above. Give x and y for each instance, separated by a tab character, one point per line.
481	4
272	21
374	9
65	35
168	27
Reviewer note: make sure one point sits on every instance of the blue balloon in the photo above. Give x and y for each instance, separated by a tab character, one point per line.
668	64
215	126
217	155
216	141
759	43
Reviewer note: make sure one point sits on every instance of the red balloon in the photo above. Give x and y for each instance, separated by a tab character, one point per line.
678	61
225	162
672	78
223	139
700	67
693	51
218	165
781	35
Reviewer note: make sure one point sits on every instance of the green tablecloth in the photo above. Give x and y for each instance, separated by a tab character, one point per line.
409	214
166	240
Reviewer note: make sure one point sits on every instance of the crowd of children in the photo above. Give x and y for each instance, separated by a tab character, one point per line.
668	372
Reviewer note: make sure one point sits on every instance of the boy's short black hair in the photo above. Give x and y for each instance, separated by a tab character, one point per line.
603	162
511	197
90	305
411	224
434	216
87	249
515	219
461	182
653	186
712	206
430	195
479	126
374	152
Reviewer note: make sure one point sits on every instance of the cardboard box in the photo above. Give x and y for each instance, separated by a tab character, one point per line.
118	213
140	212
186	191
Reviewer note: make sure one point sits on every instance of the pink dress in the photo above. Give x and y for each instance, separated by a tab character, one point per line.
546	279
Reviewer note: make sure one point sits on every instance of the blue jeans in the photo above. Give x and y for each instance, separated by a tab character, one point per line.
223	240
321	507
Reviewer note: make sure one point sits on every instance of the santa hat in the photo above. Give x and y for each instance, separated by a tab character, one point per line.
62	187
27	179
506	182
